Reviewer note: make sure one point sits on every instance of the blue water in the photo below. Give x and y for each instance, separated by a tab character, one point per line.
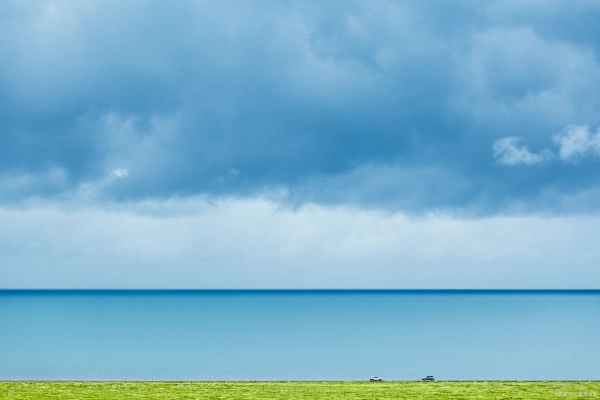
299	335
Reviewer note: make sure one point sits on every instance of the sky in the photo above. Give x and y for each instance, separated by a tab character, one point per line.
266	144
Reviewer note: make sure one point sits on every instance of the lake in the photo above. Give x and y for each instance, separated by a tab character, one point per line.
299	335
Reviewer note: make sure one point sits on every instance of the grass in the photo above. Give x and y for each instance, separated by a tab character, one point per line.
298	390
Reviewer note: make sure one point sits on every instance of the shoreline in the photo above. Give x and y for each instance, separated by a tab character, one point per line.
290	381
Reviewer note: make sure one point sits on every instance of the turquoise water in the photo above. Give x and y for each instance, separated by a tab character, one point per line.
299	335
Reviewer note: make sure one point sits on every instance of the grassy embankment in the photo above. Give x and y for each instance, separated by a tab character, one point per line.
297	390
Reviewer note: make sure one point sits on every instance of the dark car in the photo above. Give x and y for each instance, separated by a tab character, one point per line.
428	378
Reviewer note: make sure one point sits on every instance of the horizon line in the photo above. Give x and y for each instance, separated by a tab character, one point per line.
291	290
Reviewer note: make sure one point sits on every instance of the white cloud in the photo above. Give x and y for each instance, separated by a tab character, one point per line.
576	142
508	152
119	173
254	243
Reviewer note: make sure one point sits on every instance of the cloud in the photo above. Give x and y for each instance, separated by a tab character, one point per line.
576	142
119	172
255	243
508	152
212	99
272	136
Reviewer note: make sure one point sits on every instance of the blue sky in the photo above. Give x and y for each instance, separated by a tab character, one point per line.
299	144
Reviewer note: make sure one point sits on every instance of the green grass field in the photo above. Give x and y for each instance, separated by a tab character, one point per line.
298	390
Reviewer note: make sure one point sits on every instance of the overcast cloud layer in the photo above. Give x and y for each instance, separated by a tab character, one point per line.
255	244
479	114
388	104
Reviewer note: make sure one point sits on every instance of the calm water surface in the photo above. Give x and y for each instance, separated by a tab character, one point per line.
298	335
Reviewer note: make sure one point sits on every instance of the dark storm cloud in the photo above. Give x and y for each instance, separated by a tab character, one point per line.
387	104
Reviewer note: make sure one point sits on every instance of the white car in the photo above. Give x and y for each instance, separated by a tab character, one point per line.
375	379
